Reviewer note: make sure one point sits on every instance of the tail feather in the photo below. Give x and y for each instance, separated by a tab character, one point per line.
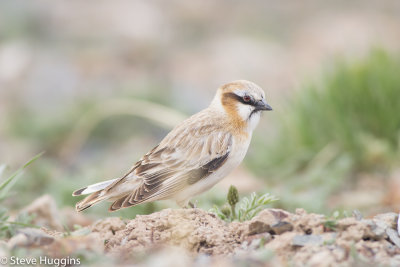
90	201
96	192
110	190
93	188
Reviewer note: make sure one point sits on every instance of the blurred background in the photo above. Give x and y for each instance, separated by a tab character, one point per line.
96	84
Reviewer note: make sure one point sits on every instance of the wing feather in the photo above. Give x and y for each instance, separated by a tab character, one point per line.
184	157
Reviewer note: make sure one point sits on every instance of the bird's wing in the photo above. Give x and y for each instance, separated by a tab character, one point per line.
183	158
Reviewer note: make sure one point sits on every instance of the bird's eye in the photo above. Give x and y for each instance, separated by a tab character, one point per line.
246	98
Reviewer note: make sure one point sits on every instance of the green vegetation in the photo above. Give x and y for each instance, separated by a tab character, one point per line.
354	111
8	227
331	223
346	123
244	209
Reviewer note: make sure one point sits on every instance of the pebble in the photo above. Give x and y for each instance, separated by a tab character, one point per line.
258	227
281	227
387	220
302	240
393	236
379	230
30	237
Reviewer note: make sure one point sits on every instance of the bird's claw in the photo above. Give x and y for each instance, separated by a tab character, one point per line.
193	206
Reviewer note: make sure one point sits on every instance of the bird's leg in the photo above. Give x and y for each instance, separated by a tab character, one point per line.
187	204
193	206
184	204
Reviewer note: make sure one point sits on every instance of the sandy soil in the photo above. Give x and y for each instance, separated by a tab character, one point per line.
182	237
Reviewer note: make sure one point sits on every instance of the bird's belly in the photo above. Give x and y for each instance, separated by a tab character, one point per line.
234	159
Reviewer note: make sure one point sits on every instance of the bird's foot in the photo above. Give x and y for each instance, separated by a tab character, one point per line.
193	206
187	205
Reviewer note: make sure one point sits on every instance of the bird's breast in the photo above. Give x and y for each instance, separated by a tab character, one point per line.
239	150
236	155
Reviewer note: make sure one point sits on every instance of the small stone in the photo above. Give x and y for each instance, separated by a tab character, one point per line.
393	236
281	227
30	237
302	240
258	227
36	236
374	231
263	221
271	216
386	220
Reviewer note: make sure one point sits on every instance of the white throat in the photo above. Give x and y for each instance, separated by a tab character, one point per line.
253	121
244	112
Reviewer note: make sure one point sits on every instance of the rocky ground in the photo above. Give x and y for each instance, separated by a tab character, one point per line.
184	237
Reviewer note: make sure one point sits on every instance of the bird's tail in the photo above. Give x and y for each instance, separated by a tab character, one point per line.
96	192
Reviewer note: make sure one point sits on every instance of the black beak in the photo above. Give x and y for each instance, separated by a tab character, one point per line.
262	105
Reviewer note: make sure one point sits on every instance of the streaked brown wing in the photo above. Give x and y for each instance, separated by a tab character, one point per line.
181	159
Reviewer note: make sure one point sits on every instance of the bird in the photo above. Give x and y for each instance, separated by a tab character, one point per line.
193	157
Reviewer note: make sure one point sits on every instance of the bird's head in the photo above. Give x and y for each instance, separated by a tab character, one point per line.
243	101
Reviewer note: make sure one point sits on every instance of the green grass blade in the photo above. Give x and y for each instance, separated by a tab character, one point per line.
3	189
2	169
21	224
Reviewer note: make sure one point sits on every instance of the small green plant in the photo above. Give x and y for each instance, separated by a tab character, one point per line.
233	199
244	209
330	225
7	227
332	222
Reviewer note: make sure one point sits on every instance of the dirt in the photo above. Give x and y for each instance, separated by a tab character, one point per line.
182	237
